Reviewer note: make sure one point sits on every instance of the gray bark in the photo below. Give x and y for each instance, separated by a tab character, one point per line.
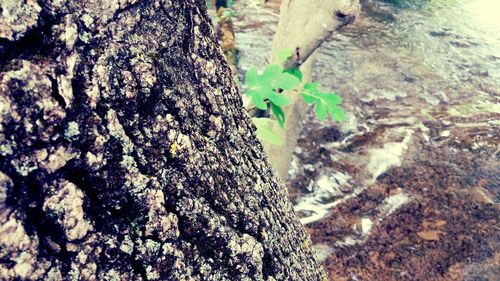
125	152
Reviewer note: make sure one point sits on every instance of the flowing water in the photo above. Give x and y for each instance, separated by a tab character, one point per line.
408	187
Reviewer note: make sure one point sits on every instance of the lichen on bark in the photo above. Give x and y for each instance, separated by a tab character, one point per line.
125	152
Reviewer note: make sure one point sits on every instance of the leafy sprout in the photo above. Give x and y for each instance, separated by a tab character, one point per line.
325	102
267	90
268	86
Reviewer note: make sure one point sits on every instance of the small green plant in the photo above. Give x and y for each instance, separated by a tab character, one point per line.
268	91
325	102
265	131
269	85
229	10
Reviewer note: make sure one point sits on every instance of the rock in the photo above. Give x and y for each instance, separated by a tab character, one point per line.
429	235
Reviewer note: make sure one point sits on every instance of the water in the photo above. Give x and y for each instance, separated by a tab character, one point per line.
409	185
443	46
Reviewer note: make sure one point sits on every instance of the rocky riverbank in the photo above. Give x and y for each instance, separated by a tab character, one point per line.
408	187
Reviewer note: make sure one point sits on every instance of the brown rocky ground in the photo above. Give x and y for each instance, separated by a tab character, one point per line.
449	228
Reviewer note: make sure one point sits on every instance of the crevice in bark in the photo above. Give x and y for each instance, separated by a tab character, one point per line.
122	10
36	43
267	265
138	267
188	30
28	197
55	92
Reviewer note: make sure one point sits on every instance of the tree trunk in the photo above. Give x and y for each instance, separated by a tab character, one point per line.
125	152
303	26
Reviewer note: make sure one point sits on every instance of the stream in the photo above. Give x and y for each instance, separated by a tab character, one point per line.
408	187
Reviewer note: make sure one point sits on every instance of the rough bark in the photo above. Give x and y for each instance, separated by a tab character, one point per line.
225	33
125	152
302	27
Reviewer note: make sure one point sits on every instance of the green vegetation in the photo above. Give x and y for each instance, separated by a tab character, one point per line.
269	85
265	131
227	9
268	91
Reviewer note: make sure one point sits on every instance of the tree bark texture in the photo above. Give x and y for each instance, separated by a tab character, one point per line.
126	154
303	26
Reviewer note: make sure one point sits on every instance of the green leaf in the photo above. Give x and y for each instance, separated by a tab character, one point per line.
285	81
252	77
309	99
271	72
279	114
338	114
295	72
311	86
321	111
263	87
265	132
278	99
256	95
326	103
284	55
332	99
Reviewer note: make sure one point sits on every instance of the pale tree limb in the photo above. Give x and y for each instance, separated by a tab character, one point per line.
304	25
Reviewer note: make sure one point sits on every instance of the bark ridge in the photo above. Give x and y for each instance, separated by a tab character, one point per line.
125	152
